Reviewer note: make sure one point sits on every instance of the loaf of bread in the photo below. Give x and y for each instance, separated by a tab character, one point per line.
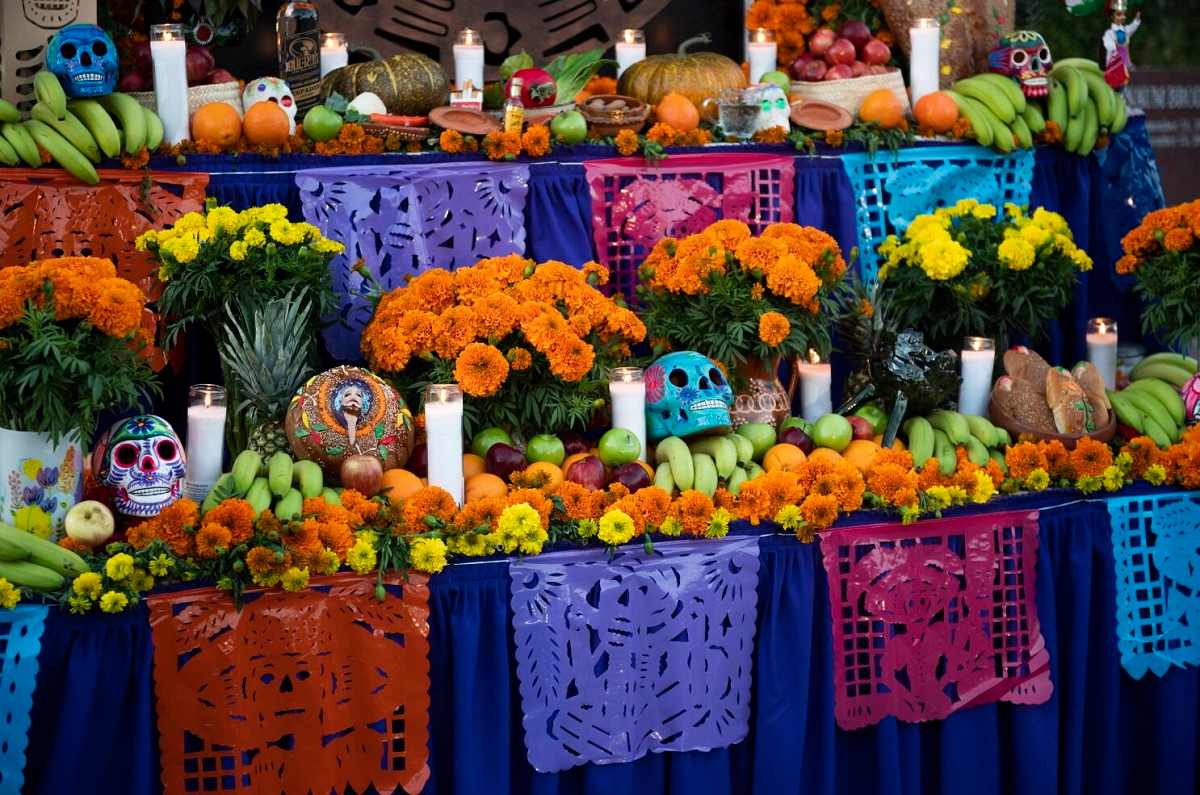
1093	385
1022	363
1068	403
1020	401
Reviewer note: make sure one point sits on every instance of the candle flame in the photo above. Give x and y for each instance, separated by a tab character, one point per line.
630	35
813	356
762	35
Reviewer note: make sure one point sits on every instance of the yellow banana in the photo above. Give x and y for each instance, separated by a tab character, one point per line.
989	96
974	113
1010	88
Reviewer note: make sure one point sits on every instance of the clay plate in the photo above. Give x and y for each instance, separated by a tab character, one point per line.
463	120
1016	428
817	115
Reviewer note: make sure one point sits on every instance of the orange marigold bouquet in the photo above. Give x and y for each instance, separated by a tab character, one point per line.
734	297
72	337
530	344
1162	253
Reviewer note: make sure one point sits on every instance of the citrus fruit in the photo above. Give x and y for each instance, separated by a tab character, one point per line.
549	474
484	485
679	112
785	457
473	465
216	124
266	124
398	484
937	111
882	108
861	453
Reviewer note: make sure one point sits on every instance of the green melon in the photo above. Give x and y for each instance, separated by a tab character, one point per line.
409	84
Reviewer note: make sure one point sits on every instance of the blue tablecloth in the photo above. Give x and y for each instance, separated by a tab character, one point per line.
1100	733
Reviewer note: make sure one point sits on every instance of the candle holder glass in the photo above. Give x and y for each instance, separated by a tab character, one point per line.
206	417
1102	325
469	38
633	36
166	32
443	435
443	393
978	344
625	375
207	395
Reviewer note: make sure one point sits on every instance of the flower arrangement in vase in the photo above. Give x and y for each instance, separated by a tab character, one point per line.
1163	255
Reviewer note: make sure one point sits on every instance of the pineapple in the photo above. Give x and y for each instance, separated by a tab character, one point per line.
267	353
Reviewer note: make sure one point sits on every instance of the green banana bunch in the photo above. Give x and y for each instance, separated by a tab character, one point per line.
71	128
128	111
63	152
49	92
1082	104
99	124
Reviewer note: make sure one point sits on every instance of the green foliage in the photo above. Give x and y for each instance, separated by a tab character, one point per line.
1170	293
571	71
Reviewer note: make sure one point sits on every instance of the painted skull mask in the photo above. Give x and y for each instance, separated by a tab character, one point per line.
773	107
84	59
143	462
270	89
686	395
1024	56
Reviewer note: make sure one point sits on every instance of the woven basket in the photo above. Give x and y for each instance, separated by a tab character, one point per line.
198	96
850	93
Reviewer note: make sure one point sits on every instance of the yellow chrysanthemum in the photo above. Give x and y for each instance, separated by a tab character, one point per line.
983	212
10	595
119	566
1037	480
984	488
161	564
616	527
718	525
294	579
361	557
1016	253
429	554
88	584
237	251
943	259
254	237
113	602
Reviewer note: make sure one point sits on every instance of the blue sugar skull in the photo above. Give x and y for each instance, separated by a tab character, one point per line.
85	60
686	395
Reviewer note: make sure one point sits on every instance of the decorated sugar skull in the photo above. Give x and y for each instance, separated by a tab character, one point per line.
142	461
1024	56
270	89
773	107
1191	399
686	395
84	59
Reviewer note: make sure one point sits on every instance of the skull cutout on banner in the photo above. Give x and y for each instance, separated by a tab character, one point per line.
143	462
271	89
686	395
1024	56
84	59
773	108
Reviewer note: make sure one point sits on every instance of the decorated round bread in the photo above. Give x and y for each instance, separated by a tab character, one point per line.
349	411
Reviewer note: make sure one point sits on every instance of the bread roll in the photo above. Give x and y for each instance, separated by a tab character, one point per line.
1093	384
1022	363
1024	404
1068	403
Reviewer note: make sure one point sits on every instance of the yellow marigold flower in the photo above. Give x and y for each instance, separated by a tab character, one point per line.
773	328
984	488
1050	220
1037	480
294	579
254	237
79	605
1089	484
89	584
587	528
119	566
938	497
161	564
1034	235
1113	477
1013	211
1016	253
1156	474
943	259
718	525
983	212
670	527
789	518
145	239
532	540
113	602
237	251
140	581
10	595
429	554
361	557
616	527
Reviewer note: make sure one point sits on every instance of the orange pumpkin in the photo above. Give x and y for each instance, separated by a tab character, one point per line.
881	107
483	485
678	111
697	76
937	111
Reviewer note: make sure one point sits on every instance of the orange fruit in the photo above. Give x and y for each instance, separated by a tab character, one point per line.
861	453
216	124
484	484
548	473
896	443
399	483
785	457
882	108
472	465
679	112
825	454
266	124
937	111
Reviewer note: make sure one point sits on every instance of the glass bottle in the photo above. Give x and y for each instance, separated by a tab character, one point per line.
297	34
514	109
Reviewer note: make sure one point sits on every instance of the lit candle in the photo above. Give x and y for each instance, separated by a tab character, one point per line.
628	394
168	52
443	438
761	54
1102	348
334	54
925	36
631	48
816	387
205	438
978	359
468	59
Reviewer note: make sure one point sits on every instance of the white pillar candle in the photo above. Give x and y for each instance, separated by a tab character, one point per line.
443	438
978	359
816	387
761	54
205	438
334	53
925	36
468	59
1102	348
628	393
168	52
631	48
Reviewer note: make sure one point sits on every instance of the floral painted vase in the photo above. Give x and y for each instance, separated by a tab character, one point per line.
41	481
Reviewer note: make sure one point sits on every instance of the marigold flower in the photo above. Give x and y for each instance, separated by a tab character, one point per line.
451	141
117	310
294	579
212	539
113	602
1058	460
627	142
536	140
429	501
693	511
662	134
428	554
236	515
616	527
773	328
453	330
1023	458
480	370
835	138
1090	458
819	511
519	359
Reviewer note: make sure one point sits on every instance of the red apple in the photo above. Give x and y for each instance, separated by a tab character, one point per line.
363	473
857	32
797	66
876	69
632	475
503	460
588	472
142	61
218	76
841	52
813	71
862	428
839	72
820	42
796	435
858	69
133	81
876	52
573	443
199	63
418	461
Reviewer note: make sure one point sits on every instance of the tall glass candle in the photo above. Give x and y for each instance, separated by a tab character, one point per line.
443	438
926	36
628	393
761	53
205	438
816	387
1102	348
978	359
168	52
334	53
468	59
631	48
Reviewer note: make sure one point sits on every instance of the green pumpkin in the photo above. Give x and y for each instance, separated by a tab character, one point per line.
409	84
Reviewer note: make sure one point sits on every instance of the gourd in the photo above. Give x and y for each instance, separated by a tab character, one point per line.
697	76
410	84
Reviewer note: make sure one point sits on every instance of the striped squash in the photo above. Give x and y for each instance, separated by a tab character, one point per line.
409	84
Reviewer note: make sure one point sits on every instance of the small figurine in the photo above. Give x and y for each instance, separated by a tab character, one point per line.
773	107
1117	64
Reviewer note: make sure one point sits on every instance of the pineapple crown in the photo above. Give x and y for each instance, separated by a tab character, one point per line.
267	350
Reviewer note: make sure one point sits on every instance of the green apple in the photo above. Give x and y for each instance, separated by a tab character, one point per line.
321	123
874	415
760	434
778	78
796	422
833	431
619	446
546	447
569	127
484	440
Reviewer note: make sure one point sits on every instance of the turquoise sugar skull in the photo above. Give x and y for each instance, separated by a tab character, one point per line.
84	59
686	395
